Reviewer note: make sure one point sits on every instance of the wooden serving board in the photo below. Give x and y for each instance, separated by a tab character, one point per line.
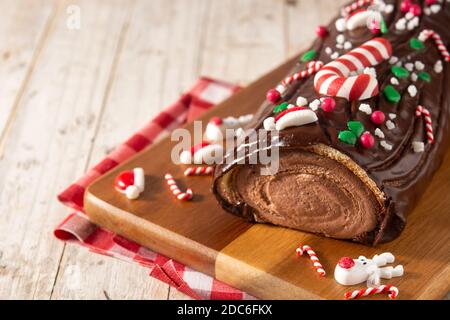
260	259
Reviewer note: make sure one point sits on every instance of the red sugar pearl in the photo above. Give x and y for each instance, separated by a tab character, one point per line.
405	6
328	104
378	117
273	95
367	140
322	31
416	10
430	2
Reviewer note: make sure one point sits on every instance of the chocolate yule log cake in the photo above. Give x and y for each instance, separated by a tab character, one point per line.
361	124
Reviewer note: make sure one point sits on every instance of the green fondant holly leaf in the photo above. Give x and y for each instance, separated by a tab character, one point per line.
281	107
383	27
347	137
391	94
425	76
356	127
400	72
416	44
308	56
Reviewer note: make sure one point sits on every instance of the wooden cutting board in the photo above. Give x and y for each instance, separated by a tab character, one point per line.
260	259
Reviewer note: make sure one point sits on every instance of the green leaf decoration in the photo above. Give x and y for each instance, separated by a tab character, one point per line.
308	56
391	94
383	27
425	76
348	137
356	127
281	107
416	44
400	72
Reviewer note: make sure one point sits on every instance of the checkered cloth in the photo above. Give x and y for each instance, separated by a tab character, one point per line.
77	228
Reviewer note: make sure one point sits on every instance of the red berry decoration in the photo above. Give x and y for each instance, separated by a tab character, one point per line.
123	180
367	140
378	117
405	6
328	104
416	10
322	31
273	95
346	263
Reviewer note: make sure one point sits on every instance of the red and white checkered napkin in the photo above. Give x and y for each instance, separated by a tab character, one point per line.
77	228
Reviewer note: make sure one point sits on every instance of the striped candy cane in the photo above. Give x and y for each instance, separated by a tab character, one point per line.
199	171
427	33
312	68
334	80
183	196
313	256
347	10
391	290
421	111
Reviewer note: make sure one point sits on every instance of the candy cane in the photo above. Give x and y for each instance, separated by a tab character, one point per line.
421	111
334	80
427	33
183	196
313	256
393	292
355	6
199	171
312	68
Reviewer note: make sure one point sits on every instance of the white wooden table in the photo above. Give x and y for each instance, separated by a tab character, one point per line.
70	92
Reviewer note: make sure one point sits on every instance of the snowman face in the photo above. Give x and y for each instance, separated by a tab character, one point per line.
354	273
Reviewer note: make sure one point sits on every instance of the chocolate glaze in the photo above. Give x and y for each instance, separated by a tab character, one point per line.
401	174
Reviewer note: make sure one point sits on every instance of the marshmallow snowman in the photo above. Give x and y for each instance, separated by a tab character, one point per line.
350	271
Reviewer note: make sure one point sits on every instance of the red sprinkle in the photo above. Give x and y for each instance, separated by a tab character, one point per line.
346	262
378	117
367	140
285	112
273	95
405	6
328	104
322	31
416	10
123	180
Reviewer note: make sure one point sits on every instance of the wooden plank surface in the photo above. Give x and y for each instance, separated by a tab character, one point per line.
69	96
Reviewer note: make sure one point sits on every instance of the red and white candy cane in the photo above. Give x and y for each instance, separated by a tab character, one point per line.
199	171
355	6
312	68
183	196
313	256
334	78
421	111
427	33
391	290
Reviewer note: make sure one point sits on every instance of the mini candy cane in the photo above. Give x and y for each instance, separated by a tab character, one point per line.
313	256
199	171
393	292
427	33
183	196
334	80
421	111
355	6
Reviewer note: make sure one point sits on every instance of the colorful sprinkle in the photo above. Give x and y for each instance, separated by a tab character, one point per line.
308	56
400	72
416	44
425	76
391	94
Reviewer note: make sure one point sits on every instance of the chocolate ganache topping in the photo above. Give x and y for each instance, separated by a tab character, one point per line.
358	169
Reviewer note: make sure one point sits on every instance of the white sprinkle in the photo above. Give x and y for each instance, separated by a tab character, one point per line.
315	105
386	145
409	66
379	133
364	107
418	146
389	8
339	46
409	16
394	81
340	38
347	45
427	11
413	23
390	125
400	24
419	65
438	67
435	8
393	60
302	101
392	116
328	51
412	90
399	64
414	77
335	55
290	106
341	25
